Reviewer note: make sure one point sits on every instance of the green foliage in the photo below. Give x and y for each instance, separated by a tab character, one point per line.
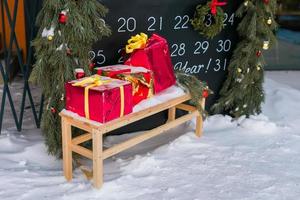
56	59
195	88
242	92
200	21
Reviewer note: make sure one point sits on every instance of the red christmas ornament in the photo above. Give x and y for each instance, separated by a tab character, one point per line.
79	73
69	52
53	110
62	18
266	1
92	65
205	94
258	53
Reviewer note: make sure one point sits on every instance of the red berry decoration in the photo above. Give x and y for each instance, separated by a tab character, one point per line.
53	110
266	1
205	94
258	53
79	73
92	65
62	18
69	52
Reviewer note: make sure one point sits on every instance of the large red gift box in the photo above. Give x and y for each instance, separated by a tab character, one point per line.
140	77
154	55
99	98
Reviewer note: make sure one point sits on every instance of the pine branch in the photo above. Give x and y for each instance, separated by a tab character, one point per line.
195	88
54	63
242	92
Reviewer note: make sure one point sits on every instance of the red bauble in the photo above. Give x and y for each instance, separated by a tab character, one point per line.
266	1
69	52
205	94
53	110
258	53
92	65
79	73
62	18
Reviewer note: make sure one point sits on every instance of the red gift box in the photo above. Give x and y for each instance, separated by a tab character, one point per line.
99	98
140	77
153	55
112	71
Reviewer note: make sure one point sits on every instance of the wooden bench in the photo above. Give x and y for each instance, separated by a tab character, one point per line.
96	131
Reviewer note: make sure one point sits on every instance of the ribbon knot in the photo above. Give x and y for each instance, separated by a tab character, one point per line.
92	81
214	4
138	41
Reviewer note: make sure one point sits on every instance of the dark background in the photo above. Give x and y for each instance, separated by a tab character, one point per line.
170	19
164	16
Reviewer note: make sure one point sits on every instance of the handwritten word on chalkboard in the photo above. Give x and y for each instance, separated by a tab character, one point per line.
190	52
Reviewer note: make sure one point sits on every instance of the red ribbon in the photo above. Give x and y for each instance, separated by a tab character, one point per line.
214	4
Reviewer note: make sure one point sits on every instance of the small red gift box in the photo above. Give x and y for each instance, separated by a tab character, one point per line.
153	54
112	71
140	77
99	98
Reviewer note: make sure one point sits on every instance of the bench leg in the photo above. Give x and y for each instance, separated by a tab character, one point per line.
67	151
199	126
171	114
97	159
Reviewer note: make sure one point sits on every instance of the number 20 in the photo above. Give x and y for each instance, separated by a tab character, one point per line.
127	24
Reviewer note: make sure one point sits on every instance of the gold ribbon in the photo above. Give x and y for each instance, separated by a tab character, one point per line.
95	81
136	42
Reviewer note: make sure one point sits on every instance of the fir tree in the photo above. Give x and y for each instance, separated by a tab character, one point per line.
68	29
242	92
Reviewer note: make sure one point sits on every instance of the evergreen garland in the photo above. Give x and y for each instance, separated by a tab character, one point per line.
68	29
197	89
242	92
206	23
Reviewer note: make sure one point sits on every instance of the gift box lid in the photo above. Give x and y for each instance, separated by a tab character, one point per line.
107	83
131	69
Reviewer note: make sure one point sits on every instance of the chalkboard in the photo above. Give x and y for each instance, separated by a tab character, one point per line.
191	53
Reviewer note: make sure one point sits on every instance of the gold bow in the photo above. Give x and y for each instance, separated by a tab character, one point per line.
95	81
136	42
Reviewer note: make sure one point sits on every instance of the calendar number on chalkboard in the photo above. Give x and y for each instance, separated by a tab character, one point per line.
178	50
121	59
103	21
220	65
224	46
155	24
208	20
201	47
99	56
228	19
231	19
181	22
126	25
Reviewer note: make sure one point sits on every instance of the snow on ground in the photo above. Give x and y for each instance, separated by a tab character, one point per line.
249	159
